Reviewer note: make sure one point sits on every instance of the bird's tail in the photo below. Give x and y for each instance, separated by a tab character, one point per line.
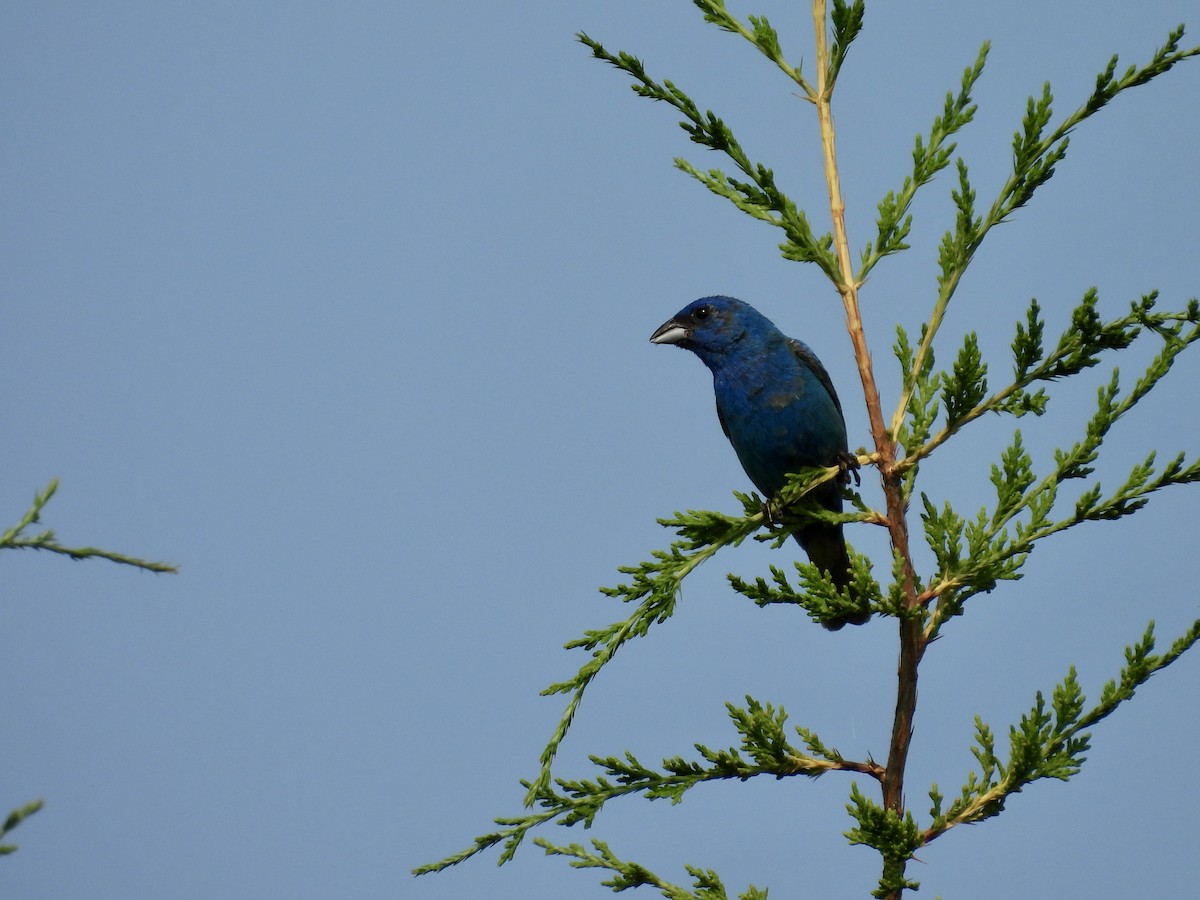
826	549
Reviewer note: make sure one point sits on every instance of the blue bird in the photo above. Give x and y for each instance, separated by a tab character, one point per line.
778	408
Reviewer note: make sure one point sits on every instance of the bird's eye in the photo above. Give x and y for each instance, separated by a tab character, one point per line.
703	313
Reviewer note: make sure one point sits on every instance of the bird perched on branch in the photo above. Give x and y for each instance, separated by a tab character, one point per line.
778	408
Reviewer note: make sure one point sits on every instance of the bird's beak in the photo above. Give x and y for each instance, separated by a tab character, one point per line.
670	332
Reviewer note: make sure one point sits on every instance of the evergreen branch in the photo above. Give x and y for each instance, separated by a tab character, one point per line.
1035	155
764	201
818	596
15	818
923	409
966	385
991	552
706	885
791	511
764	750
847	23
655	588
45	541
512	832
13	539
626	874
895	837
1079	348
1049	743
1050	740
32	515
759	33
657	582
760	197
929	157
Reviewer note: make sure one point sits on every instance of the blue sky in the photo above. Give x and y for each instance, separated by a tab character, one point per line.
344	309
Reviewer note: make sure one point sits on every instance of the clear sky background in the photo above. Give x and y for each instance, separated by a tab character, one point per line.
344	309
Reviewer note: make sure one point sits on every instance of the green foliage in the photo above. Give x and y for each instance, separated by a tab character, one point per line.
912	425
973	555
896	838
759	197
1035	155
655	589
764	749
1080	347
655	584
758	32
15	538
817	595
1050	741
966	386
847	23
706	884
930	156
972	552
15	818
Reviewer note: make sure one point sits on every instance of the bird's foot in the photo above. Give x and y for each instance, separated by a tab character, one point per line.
848	467
772	511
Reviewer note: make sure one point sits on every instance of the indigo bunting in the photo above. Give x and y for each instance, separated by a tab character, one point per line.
778	408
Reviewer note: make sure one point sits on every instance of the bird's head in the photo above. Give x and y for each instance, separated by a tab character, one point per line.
713	327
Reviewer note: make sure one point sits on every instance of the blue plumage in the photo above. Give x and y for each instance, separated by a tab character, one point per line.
776	405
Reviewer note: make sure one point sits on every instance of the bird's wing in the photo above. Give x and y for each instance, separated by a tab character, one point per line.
809	359
721	419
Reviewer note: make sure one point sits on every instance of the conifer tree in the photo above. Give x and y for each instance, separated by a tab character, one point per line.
973	552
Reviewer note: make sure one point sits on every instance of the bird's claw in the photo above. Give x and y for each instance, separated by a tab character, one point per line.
771	510
848	467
